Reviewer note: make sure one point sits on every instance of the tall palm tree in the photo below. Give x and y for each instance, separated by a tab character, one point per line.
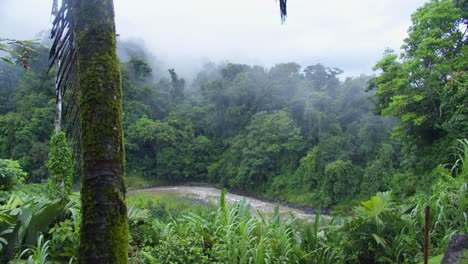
88	75
85	46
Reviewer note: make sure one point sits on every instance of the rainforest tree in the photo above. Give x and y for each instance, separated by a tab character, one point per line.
426	88
90	48
104	231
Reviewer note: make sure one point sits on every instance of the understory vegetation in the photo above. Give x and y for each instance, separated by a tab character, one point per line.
170	229
374	151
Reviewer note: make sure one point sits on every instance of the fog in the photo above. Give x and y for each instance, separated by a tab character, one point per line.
182	34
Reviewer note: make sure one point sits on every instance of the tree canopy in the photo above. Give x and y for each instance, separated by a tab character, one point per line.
425	86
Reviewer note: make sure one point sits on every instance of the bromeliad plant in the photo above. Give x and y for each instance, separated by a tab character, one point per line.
38	254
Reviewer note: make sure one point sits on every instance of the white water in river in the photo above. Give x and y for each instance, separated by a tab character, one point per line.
211	194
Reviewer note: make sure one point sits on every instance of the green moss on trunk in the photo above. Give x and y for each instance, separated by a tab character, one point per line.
104	230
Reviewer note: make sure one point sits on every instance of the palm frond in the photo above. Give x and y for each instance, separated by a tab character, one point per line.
63	55
54	7
283	10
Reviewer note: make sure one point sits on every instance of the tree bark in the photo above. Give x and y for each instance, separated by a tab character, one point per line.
104	227
58	110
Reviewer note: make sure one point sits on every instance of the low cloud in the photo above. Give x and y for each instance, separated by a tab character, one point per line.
184	34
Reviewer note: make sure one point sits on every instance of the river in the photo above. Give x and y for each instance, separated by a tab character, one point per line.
211	194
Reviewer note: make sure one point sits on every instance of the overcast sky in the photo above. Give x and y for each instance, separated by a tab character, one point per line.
348	34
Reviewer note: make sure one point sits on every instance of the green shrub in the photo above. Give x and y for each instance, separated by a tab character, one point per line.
11	174
60	167
65	234
377	233
28	216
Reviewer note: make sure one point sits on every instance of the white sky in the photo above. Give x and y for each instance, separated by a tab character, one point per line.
348	34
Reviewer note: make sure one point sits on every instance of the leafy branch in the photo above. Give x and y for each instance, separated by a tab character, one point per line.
19	49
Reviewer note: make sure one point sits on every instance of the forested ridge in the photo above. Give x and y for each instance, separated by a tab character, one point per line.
301	134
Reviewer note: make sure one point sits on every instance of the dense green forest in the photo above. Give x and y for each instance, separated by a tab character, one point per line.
288	132
247	128
294	133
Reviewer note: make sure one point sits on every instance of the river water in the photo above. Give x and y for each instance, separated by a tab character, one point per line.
211	194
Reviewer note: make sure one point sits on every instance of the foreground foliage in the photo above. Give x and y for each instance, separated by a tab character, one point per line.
175	230
24	218
380	230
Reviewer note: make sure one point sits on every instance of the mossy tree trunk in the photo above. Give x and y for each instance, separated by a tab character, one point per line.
104	228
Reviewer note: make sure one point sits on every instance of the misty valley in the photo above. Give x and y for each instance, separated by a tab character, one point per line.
109	155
